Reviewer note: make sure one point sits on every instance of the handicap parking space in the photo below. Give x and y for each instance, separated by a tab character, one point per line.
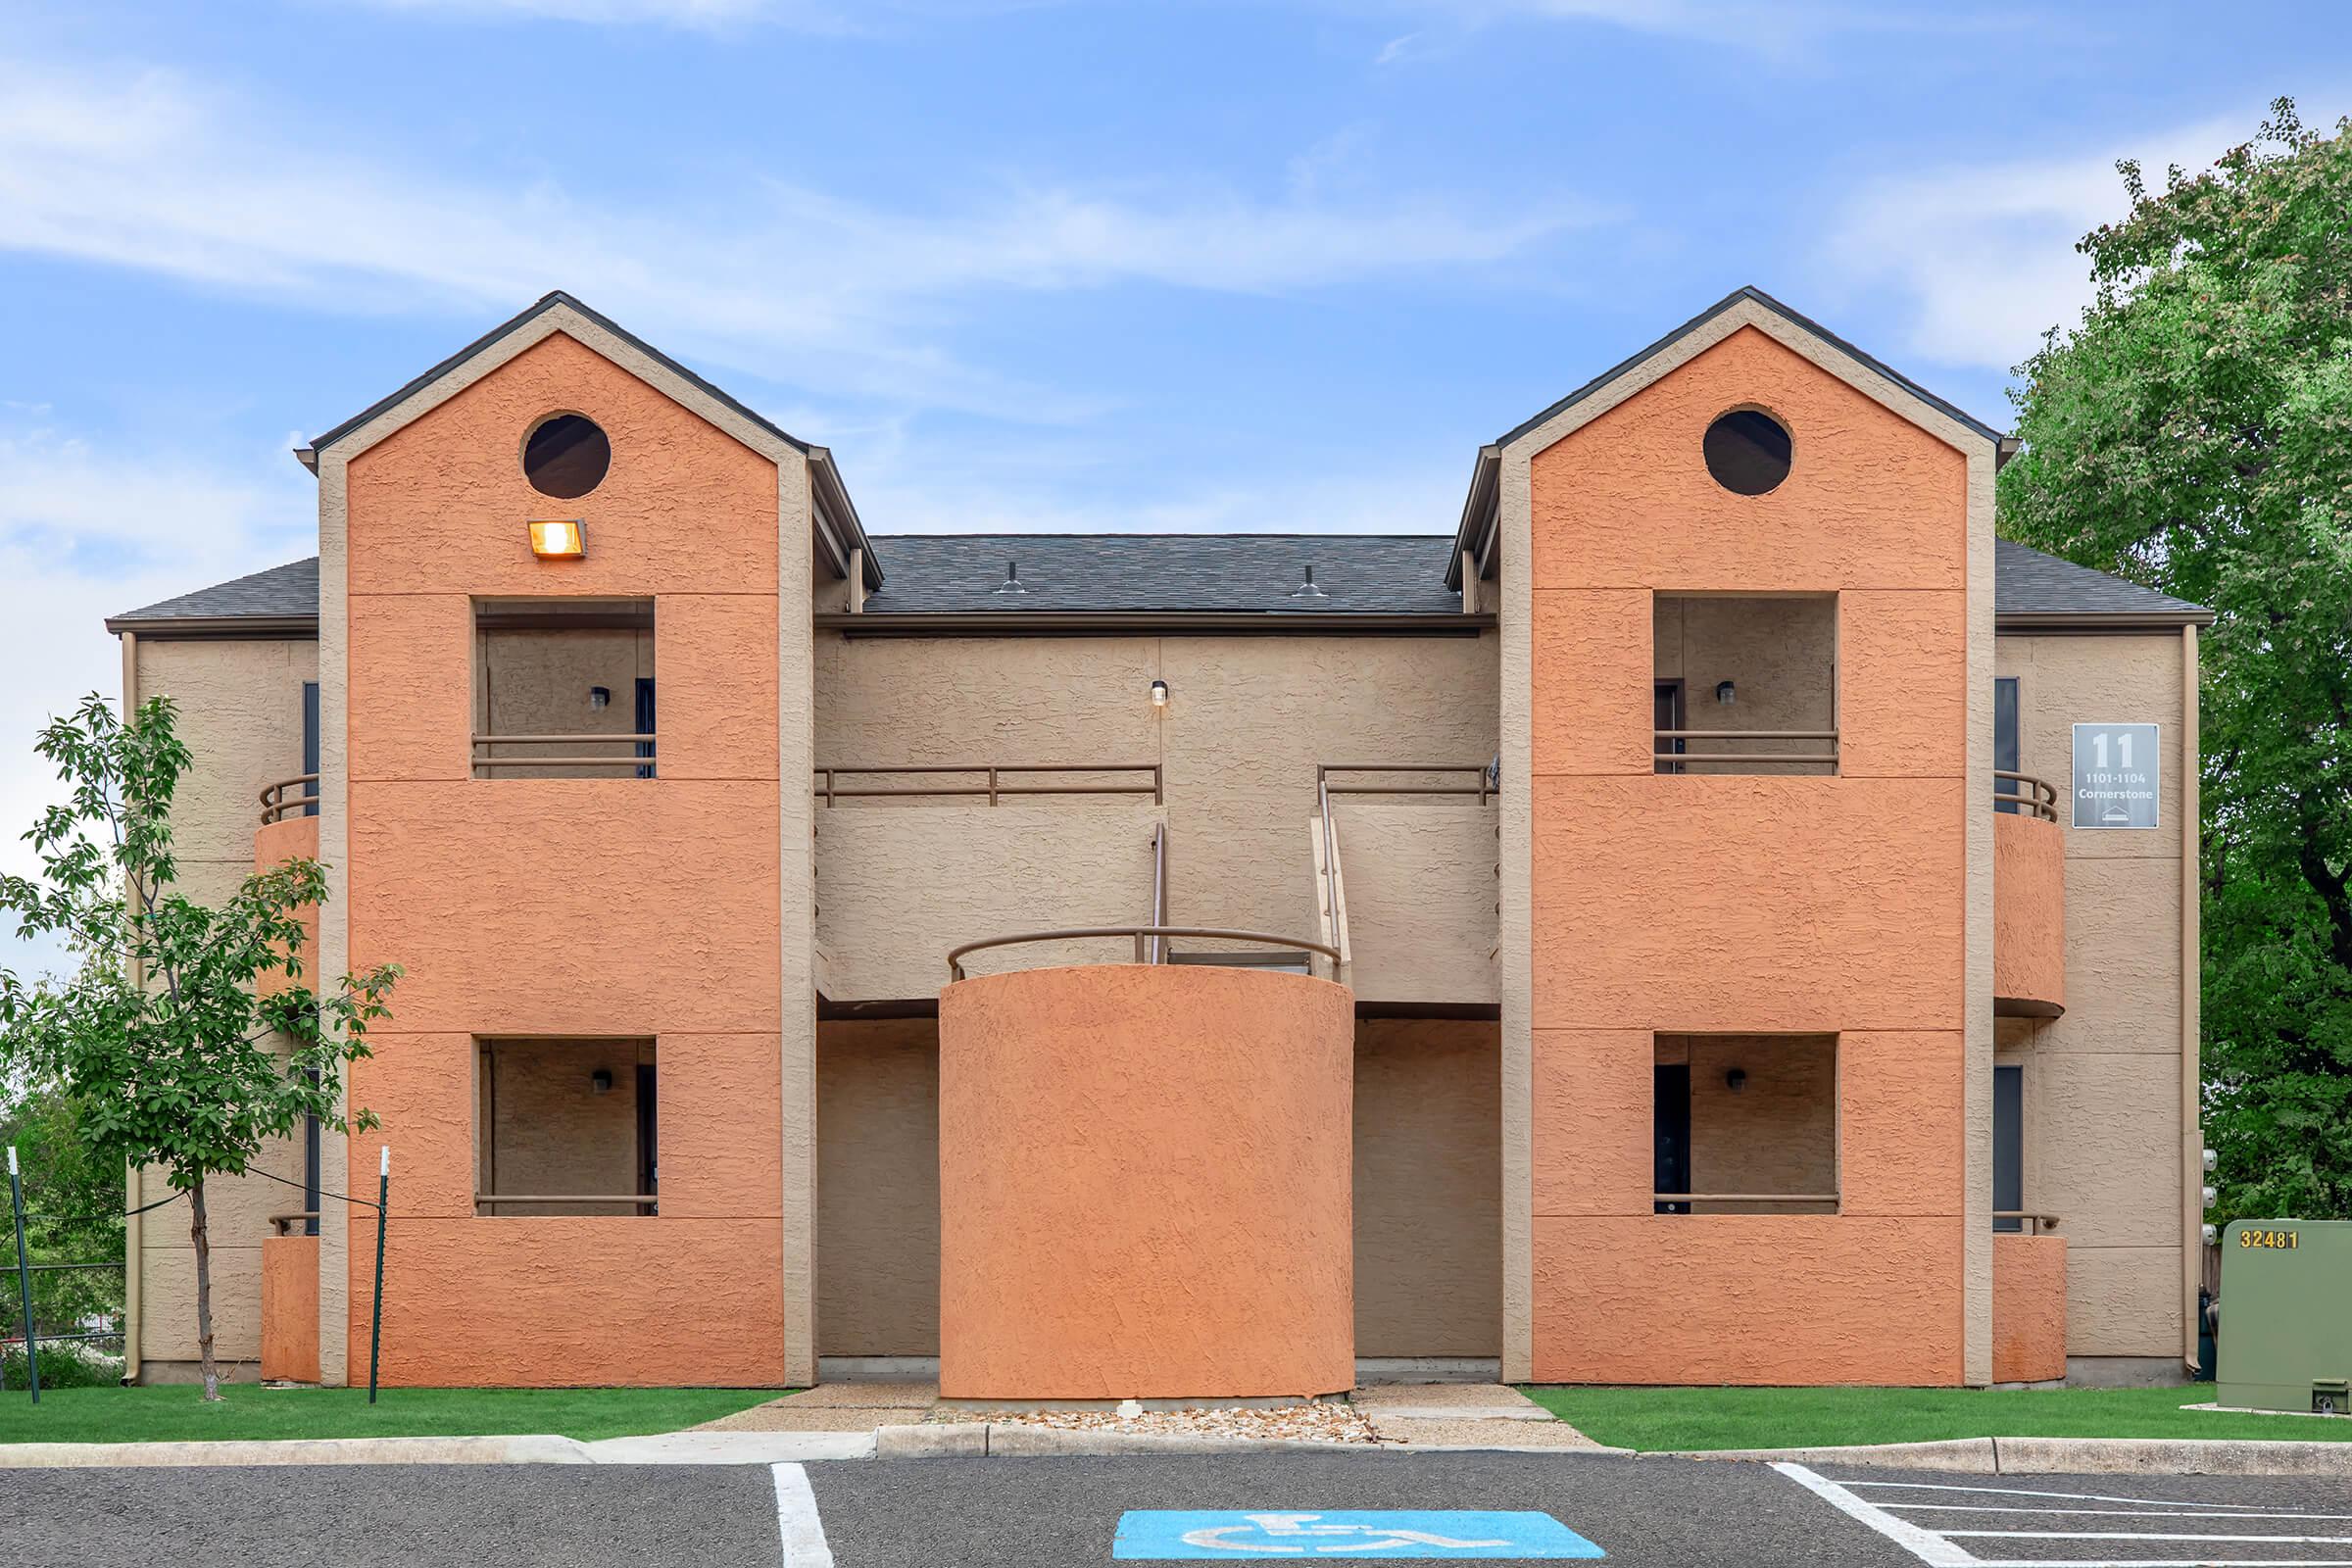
1305	1506
2103	1521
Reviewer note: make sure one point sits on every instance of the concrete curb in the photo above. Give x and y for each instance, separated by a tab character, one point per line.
524	1449
2030	1456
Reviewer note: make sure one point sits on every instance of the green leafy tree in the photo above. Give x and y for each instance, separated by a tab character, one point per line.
73	1208
2194	433
163	1039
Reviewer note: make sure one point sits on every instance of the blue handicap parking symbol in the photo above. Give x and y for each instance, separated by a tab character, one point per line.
1171	1535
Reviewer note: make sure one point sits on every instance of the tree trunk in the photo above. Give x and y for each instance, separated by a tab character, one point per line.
198	1234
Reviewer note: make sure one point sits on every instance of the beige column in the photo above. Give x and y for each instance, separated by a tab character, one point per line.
2192	1132
334	915
796	762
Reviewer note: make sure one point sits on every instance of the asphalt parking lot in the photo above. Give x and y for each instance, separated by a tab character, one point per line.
995	1512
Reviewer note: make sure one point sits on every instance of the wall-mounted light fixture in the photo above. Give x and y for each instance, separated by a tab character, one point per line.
600	697
1736	1080
600	1082
559	539
1725	692
1159	694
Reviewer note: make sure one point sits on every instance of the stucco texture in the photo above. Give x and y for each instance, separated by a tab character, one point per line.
2029	915
1145	1184
1685	905
590	909
877	1187
2029	1308
2103	1107
1247	721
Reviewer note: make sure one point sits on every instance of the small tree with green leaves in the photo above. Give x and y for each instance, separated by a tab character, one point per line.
164	1038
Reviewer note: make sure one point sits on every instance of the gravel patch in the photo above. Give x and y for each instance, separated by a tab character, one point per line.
1329	1422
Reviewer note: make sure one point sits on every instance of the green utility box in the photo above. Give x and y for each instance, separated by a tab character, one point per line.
2285	1316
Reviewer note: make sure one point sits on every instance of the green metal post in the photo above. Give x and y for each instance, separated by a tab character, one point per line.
16	1202
375	1320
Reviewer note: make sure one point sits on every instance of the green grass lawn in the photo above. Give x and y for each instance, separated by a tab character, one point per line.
247	1410
1798	1418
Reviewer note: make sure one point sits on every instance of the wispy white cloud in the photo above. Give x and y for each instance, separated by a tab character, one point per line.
149	171
1983	255
85	535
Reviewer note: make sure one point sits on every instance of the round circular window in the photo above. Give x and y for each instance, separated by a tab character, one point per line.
1747	452
565	456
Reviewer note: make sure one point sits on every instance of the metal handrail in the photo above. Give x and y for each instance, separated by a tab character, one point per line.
829	791
283	1223
2039	798
2047	1222
1159	892
1668	743
1483	789
1743	1198
641	758
277	805
955	956
641	1199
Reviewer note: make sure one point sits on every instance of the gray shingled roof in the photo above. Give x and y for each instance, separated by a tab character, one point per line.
2027	582
281	592
1359	573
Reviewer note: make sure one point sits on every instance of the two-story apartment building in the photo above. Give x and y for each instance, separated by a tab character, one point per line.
1715	916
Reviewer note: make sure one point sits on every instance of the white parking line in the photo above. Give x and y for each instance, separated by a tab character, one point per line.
802	1532
1942	1549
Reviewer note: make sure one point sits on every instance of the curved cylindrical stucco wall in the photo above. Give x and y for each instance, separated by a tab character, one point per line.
273	844
2029	1308
1145	1184
2028	916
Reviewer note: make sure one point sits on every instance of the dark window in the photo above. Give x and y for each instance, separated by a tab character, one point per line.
566	456
1671	1166
2008	1146
310	763
1747	452
645	722
1666	708
2004	738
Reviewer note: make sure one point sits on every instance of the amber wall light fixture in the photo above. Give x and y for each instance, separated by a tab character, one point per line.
560	539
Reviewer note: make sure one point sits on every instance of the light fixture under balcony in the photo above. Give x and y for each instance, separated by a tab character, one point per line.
559	539
1725	692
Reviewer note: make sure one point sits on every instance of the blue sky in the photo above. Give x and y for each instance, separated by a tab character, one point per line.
1066	264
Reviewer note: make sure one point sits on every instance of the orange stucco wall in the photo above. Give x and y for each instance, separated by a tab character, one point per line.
274	844
569	908
290	1308
1748	904
2029	915
1145	1184
2029	1308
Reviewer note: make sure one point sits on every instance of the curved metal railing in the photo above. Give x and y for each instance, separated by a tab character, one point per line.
2035	797
1145	951
290	797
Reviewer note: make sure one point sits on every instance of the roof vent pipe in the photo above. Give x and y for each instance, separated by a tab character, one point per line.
1306	588
1012	579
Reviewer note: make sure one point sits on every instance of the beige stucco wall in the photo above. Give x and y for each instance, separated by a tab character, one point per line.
2102	1086
1781	656
1420	889
1776	1134
1247	723
1428	1188
537	683
240	717
540	1127
877	1187
898	885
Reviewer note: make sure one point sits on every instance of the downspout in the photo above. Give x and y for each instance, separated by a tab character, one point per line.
134	1227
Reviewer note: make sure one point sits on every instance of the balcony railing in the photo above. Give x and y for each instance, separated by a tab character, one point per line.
988	782
1148	948
1673	753
639	764
1330	780
2032	797
290	797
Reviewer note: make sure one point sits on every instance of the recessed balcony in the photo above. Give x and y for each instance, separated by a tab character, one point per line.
2029	899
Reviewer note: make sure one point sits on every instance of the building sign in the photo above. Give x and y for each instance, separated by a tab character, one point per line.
2115	775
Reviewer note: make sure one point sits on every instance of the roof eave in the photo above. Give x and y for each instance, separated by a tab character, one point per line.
2076	621
1176	623
1474	535
190	628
